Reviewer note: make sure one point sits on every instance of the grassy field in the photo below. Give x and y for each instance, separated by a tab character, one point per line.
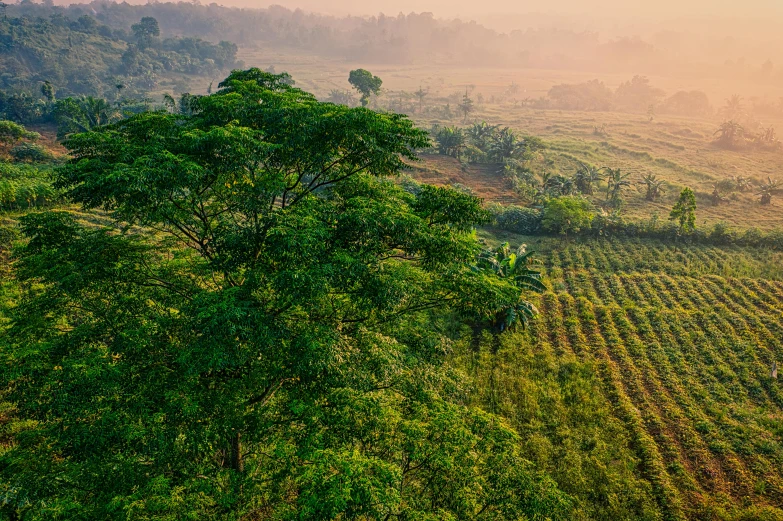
645	388
678	150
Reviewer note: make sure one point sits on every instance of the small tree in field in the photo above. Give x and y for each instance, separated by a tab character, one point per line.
365	83
420	95
684	211
767	190
466	106
567	214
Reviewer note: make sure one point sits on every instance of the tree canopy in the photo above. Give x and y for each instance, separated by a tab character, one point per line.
684	211
257	335
363	81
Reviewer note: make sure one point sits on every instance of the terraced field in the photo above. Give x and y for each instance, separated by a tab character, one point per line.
645	387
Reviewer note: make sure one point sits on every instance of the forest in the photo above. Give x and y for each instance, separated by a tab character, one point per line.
263	264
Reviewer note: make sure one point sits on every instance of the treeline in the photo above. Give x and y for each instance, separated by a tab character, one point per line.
635	95
79	55
416	38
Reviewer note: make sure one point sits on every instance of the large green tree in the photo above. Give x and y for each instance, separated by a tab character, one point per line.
260	333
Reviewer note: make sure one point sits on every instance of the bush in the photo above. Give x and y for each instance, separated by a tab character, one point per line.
568	214
518	219
23	186
31	153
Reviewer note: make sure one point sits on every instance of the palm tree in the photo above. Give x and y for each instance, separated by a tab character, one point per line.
730	132
558	185
75	115
654	187
616	182
585	177
519	266
743	183
733	109
421	94
767	190
466	107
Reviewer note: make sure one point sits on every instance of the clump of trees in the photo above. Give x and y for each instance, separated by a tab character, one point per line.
12	133
83	57
484	143
567	215
733	135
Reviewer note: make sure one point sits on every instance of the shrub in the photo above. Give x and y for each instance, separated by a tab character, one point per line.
31	153
518	219
567	214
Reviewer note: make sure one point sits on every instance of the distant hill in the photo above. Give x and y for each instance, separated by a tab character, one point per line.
81	56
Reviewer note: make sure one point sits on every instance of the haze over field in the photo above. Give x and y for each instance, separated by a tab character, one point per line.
662	8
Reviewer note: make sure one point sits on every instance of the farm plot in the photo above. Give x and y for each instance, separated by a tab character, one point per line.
645	388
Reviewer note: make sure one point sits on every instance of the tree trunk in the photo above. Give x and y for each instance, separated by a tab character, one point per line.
235	453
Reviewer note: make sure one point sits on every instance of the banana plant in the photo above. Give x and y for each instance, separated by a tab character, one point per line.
519	266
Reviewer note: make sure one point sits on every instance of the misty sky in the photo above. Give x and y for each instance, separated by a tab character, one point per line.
655	8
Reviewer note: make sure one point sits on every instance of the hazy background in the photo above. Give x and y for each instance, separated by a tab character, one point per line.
593	8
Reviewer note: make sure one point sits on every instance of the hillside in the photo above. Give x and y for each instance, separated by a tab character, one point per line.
80	56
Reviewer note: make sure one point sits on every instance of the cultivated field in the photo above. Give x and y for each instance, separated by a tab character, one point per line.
646	387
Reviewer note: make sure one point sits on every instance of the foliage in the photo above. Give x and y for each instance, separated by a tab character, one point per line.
518	219
586	176
266	342
637	94
146	31
730	134
11	133
517	266
466	106
23	186
74	115
567	214
451	141
684	211
81	57
616	183
31	152
768	190
365	83
653	187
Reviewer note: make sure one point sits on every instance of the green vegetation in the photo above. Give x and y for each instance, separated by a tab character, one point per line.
239	306
684	212
23	186
61	56
567	214
645	388
257	331
364	82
